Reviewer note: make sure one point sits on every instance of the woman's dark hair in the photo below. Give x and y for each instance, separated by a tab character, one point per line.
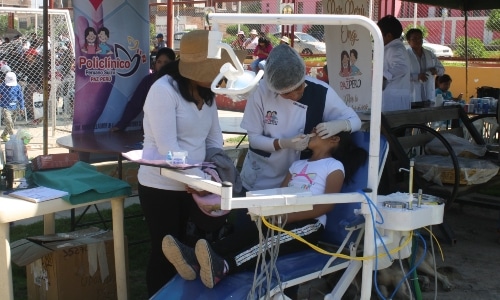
412	31
172	69
167	52
349	154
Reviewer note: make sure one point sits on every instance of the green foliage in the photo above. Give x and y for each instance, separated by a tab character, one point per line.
424	30
3	23
233	29
495	42
475	47
152	36
493	22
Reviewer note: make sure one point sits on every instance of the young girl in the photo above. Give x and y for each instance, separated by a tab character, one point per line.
334	160
443	84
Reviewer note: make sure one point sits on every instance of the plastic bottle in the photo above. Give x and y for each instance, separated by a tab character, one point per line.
20	154
439	100
2	159
10	149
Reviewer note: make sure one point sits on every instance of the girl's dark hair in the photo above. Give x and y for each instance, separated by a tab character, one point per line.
172	69
350	155
264	40
443	78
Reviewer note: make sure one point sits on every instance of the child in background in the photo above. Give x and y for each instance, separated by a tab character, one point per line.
11	99
443	84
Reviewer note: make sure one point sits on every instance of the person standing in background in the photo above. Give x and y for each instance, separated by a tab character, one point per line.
30	77
136	102
160	43
11	100
396	93
252	41
424	65
238	43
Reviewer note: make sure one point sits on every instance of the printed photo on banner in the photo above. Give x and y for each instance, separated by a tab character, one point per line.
349	54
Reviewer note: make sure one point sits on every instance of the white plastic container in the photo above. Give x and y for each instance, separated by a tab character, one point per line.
179	157
439	100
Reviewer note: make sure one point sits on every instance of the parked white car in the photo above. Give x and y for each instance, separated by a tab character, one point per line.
306	44
438	50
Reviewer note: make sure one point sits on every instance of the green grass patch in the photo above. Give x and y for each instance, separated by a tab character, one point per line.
236	140
138	252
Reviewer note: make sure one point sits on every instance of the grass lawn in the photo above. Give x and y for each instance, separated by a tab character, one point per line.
135	230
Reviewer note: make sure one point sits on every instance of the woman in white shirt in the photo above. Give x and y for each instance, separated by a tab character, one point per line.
179	114
424	66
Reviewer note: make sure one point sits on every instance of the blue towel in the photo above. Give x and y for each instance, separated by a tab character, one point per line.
83	183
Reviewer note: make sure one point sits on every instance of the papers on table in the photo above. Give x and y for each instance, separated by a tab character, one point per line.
38	194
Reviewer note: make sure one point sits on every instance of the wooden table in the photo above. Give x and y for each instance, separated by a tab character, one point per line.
13	209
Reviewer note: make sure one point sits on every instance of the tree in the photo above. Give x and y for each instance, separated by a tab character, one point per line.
493	22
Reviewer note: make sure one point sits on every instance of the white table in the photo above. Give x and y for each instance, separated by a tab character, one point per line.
12	210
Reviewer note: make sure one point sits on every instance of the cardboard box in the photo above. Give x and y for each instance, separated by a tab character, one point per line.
129	172
54	161
75	265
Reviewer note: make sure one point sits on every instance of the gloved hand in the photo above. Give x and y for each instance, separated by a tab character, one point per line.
327	129
298	143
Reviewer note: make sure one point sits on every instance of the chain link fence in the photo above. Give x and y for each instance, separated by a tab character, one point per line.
444	29
447	27
21	52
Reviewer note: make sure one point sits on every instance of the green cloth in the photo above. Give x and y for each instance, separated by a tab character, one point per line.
83	183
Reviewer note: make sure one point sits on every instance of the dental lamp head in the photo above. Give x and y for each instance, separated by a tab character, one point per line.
239	82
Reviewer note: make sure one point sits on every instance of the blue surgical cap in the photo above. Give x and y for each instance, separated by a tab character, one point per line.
285	70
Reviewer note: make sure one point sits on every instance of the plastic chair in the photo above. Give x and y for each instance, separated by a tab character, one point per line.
343	228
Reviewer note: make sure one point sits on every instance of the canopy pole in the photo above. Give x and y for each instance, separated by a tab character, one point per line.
466	55
45	52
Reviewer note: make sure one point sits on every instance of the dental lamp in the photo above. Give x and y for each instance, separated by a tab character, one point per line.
240	82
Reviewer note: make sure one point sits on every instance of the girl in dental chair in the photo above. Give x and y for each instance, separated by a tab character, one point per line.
334	160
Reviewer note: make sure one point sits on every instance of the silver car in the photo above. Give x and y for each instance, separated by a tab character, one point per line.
306	44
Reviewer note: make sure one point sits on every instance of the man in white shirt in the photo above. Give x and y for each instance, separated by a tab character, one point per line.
252	41
396	94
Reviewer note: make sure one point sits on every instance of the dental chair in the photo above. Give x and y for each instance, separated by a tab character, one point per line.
344	229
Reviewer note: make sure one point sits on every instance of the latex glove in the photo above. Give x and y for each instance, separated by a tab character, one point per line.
298	143
328	129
